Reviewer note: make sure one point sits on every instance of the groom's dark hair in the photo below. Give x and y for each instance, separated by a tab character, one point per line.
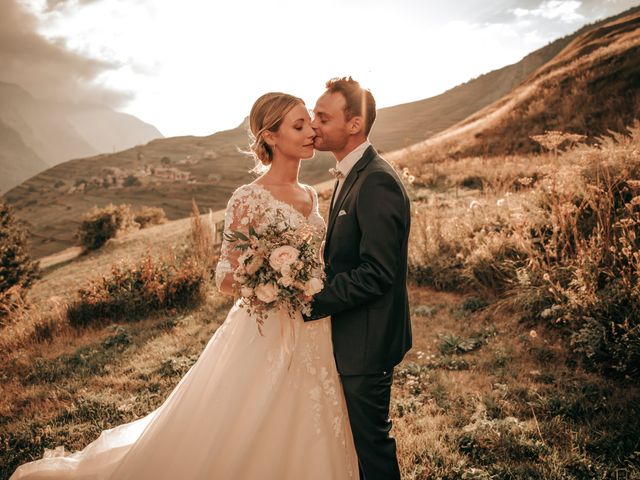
359	100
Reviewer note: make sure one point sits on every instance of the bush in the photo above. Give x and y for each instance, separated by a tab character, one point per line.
473	182
100	225
147	216
17	270
131	181
585	255
135	290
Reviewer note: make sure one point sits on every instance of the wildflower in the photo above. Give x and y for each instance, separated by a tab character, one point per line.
533	334
500	202
524	181
546	277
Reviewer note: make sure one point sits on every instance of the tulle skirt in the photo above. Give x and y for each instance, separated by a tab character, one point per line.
253	406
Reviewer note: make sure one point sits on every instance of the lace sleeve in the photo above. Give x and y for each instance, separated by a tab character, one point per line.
236	218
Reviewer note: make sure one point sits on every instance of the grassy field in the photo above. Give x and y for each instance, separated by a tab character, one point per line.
490	390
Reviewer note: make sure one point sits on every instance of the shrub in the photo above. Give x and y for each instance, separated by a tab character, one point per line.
473	182
100	225
147	216
132	291
131	181
17	270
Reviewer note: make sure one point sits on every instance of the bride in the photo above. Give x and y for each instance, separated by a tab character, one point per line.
253	406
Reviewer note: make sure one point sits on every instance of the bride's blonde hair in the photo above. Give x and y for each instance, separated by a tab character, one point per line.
267	114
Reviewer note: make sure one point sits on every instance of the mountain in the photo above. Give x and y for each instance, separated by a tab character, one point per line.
18	161
403	125
166	172
56	132
169	172
591	87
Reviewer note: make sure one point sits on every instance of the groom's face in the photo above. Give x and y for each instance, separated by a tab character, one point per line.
329	123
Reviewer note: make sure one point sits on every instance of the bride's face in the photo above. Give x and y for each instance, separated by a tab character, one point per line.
294	138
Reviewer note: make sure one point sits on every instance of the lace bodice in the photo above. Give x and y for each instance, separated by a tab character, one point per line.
255	205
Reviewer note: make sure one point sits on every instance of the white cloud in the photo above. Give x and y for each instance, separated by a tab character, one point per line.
565	11
195	67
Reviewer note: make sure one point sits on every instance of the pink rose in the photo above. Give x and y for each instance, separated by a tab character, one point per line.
283	256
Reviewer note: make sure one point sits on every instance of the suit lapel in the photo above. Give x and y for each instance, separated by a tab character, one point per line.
368	154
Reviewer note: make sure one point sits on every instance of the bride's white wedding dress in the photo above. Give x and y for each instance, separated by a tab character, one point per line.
252	407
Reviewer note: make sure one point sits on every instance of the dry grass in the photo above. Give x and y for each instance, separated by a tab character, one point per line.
481	395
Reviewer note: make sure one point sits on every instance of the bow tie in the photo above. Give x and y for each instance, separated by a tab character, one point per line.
336	173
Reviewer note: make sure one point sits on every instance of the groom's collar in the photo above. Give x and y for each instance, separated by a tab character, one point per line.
346	164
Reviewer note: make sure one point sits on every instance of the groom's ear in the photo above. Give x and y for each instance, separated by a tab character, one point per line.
356	124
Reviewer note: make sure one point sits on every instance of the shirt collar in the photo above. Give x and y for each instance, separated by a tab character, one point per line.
346	164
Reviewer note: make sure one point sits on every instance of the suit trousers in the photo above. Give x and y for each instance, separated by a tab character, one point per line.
368	398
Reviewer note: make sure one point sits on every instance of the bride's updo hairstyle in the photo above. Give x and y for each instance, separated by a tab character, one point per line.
267	114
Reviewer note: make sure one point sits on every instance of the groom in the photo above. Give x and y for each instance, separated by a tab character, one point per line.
366	264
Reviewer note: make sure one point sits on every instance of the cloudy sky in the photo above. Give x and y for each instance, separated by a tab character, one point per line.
194	67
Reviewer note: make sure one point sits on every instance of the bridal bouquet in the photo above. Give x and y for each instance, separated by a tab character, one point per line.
279	266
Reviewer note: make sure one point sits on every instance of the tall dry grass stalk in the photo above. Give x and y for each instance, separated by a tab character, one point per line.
201	244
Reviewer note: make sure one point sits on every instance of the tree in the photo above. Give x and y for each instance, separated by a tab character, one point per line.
131	181
16	266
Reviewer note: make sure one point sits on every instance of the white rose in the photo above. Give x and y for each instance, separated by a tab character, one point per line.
246	292
313	286
267	293
285	280
283	256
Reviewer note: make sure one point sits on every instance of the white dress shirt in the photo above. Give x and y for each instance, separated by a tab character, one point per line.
346	164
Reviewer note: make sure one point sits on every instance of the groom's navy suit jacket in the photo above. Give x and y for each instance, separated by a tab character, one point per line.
365	257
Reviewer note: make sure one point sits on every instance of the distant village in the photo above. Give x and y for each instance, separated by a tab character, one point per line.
147	174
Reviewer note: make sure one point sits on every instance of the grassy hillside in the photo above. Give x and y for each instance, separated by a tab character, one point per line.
495	387
591	87
403	125
167	173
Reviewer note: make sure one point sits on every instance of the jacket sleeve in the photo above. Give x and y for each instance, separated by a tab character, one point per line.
382	217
